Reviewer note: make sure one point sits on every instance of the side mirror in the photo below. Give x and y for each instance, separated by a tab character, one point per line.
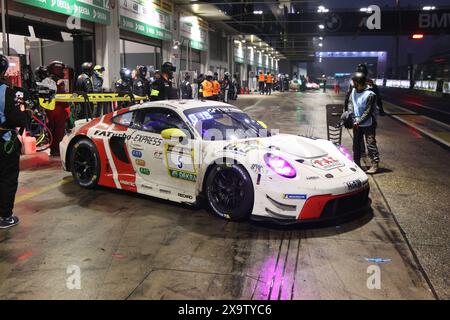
172	133
262	124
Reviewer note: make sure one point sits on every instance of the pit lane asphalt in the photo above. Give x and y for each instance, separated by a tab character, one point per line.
135	247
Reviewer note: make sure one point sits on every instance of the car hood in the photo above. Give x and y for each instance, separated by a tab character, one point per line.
296	146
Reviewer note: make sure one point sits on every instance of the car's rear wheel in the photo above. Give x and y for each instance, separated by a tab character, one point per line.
85	163
229	192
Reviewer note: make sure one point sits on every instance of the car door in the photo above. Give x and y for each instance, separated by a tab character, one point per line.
165	168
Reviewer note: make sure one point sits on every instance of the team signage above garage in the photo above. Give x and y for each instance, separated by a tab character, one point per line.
146	18
92	10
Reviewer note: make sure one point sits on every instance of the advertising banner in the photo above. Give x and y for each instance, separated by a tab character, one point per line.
145	18
195	30
92	10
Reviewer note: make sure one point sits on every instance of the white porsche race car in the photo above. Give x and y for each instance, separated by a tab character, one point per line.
183	150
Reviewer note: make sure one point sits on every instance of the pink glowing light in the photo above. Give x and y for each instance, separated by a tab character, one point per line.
280	166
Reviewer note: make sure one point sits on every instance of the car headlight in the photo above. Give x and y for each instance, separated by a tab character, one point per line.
280	166
345	152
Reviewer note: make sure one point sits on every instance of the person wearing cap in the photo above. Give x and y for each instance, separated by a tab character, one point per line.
363	105
207	87
12	116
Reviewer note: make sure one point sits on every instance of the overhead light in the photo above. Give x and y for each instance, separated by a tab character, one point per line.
428	8
320	38
320	44
322	9
243	41
417	36
321	26
257	12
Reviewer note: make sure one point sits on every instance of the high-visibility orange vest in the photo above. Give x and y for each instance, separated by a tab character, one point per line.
261	77
207	88
216	87
269	79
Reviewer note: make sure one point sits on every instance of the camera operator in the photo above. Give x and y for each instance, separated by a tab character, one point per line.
11	117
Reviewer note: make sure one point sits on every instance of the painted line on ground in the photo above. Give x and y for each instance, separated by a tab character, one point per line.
425	132
32	194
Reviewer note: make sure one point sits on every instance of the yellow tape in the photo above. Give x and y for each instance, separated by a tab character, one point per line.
96	97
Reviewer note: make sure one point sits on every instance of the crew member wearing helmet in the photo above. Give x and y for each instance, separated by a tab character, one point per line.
216	86
363	105
186	88
84	81
200	79
225	87
97	84
269	82
261	82
141	86
371	85
12	116
162	88
97	78
40	73
58	116
124	85
207	87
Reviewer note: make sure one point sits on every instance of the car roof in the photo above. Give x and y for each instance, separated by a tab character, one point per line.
182	105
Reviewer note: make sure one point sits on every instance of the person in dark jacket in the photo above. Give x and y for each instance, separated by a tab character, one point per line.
84	81
162	88
186	88
12	116
141	86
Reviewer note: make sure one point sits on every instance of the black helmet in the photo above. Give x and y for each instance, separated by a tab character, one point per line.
87	68
359	78
362	68
56	68
4	64
187	76
168	67
125	74
142	70
41	73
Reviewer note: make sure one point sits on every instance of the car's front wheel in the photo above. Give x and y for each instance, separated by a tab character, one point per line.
85	163
229	192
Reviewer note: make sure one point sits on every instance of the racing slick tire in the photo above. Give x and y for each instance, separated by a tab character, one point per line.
229	192
85	163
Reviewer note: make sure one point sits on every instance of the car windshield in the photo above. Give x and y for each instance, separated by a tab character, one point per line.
223	123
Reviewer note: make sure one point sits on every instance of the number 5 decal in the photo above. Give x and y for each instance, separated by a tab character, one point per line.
180	162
